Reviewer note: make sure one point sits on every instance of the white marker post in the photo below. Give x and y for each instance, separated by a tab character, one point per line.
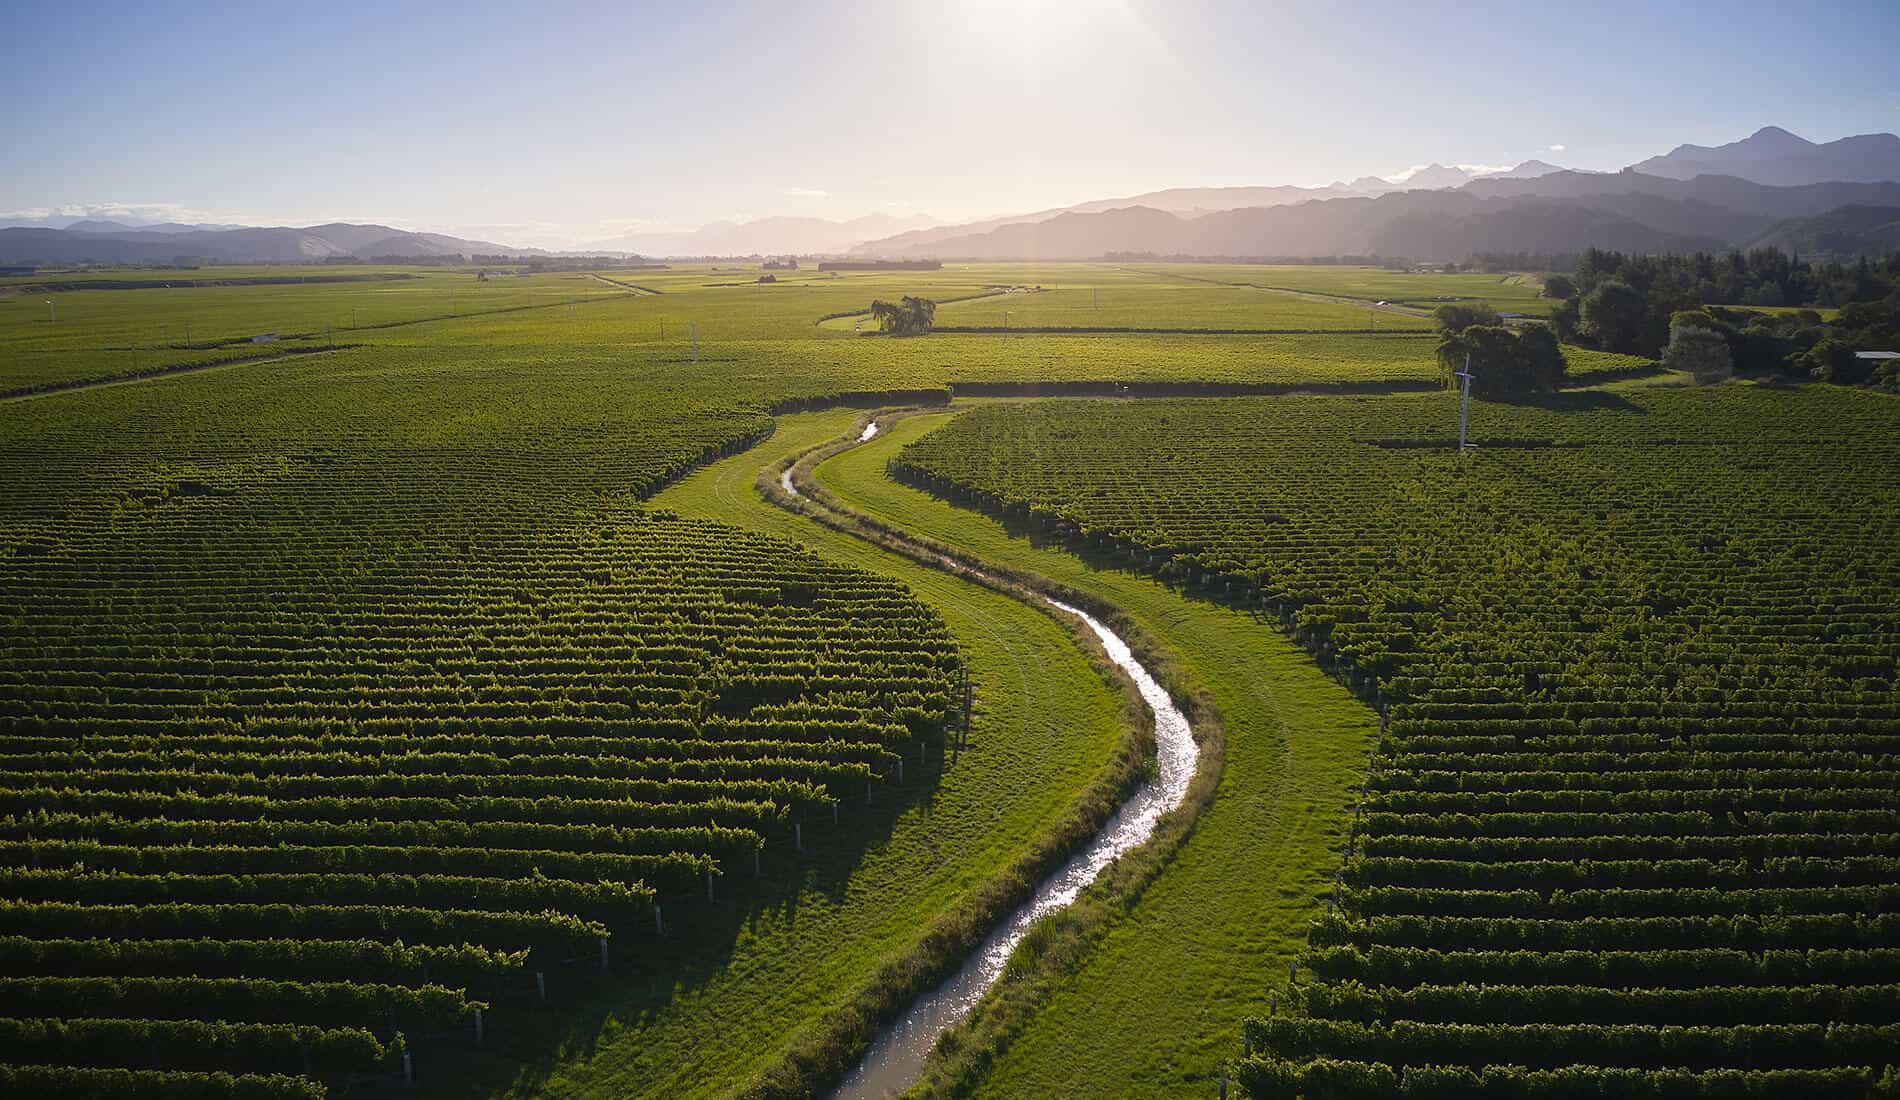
1464	412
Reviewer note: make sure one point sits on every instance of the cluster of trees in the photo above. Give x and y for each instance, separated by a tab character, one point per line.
910	316
1503	361
1718	315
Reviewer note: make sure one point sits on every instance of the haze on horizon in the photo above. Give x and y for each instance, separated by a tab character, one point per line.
560	125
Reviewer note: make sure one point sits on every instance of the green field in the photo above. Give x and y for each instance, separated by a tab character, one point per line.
1244	886
351	691
1632	821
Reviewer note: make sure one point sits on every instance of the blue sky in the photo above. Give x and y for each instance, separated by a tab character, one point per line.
562	123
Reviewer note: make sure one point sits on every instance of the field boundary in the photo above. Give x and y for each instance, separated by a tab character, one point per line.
1133	330
70	286
821	1055
1056	943
1191	389
47	388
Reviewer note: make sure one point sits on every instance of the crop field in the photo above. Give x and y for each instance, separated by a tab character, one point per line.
353	697
1171	305
86	334
1632	825
1422	290
332	704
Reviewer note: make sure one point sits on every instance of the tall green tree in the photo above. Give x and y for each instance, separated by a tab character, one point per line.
908	317
1503	363
1615	314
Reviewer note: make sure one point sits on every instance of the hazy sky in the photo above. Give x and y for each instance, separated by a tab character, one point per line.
541	123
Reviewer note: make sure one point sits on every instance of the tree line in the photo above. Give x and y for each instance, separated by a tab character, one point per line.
1755	313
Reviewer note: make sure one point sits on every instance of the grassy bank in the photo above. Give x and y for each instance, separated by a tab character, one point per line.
1151	1009
1045	726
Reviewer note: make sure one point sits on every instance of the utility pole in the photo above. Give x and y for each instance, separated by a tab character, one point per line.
1464	411
695	327
187	333
1094	302
51	317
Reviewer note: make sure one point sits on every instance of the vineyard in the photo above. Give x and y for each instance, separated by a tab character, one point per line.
1635	821
416	706
336	715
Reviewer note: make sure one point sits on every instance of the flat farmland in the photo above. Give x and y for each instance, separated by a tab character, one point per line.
1423	290
1170	304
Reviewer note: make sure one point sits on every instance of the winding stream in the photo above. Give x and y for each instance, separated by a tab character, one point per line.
785	475
896	1058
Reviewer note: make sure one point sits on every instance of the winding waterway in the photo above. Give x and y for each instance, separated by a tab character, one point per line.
896	1058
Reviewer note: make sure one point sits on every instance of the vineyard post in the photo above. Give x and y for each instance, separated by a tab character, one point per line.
900	771
709	884
1464	408
541	985
659	922
303	1050
478	1026
603	945
756	869
408	1070
834	811
798	834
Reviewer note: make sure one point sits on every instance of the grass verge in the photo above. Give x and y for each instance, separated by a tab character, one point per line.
710	1019
1149	1003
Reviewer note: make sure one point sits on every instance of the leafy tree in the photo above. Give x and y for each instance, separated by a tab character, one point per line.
1616	314
1698	348
1459	317
1565	320
1503	363
909	317
1560	287
1833	360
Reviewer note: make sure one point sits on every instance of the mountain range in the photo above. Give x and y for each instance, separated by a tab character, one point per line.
1774	156
764	236
111	242
1835	197
1556	212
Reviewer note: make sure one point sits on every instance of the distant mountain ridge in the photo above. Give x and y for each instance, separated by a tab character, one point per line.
1770	185
1776	157
765	236
1534	207
1426	225
109	242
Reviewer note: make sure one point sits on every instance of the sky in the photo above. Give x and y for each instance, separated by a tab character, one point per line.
561	124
